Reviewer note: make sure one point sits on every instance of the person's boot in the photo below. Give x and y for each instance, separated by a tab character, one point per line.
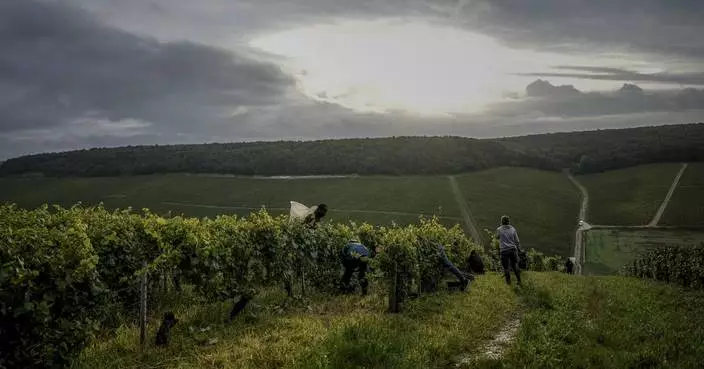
507	275
465	283
239	306
364	285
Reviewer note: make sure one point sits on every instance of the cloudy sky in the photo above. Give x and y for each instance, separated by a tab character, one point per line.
87	73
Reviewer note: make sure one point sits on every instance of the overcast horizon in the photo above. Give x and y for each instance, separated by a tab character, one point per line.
100	73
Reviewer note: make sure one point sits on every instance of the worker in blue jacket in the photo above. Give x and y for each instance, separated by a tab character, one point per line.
446	263
355	258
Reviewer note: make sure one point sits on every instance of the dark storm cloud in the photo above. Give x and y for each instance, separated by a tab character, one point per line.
541	88
58	64
547	100
670	28
122	75
618	74
666	29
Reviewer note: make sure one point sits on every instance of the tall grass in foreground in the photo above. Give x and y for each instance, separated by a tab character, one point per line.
568	322
606	322
323	332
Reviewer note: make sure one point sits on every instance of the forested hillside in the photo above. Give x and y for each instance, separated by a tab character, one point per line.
402	155
584	152
598	151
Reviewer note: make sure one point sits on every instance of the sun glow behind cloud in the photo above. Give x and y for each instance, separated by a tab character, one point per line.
401	65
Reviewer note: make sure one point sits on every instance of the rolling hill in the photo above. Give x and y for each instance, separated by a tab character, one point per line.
543	205
628	196
687	203
583	152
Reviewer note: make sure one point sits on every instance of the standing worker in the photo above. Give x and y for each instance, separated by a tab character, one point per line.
509	245
355	258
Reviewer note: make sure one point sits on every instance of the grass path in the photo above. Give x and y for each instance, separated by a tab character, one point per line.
555	321
583	211
656	219
464	210
321	332
495	348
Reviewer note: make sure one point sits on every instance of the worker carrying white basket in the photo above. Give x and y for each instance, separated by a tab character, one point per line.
309	216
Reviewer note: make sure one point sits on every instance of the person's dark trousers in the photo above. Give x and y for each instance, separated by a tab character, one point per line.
509	260
351	266
448	264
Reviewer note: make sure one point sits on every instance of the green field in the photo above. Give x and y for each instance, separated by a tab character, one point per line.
543	205
608	249
629	196
687	203
378	200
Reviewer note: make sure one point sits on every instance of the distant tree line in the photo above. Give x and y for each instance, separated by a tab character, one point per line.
601	150
583	152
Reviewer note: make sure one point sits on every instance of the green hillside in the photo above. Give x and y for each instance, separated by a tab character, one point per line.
565	322
543	205
583	152
687	203
378	200
628	196
607	250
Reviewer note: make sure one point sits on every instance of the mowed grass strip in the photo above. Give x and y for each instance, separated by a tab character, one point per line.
686	206
606	322
196	195
543	205
327	332
628	196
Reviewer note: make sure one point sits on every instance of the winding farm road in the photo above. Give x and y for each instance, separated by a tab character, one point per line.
663	206
578	252
464	210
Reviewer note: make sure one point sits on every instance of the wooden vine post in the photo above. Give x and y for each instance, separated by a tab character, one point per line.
303	282
143	308
393	291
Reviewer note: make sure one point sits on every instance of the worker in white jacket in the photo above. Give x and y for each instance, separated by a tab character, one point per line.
314	217
309	216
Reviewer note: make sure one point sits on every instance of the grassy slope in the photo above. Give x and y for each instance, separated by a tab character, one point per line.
331	332
686	206
543	205
607	250
628	196
426	195
607	322
568	322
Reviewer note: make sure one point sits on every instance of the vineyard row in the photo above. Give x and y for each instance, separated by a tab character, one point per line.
65	273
